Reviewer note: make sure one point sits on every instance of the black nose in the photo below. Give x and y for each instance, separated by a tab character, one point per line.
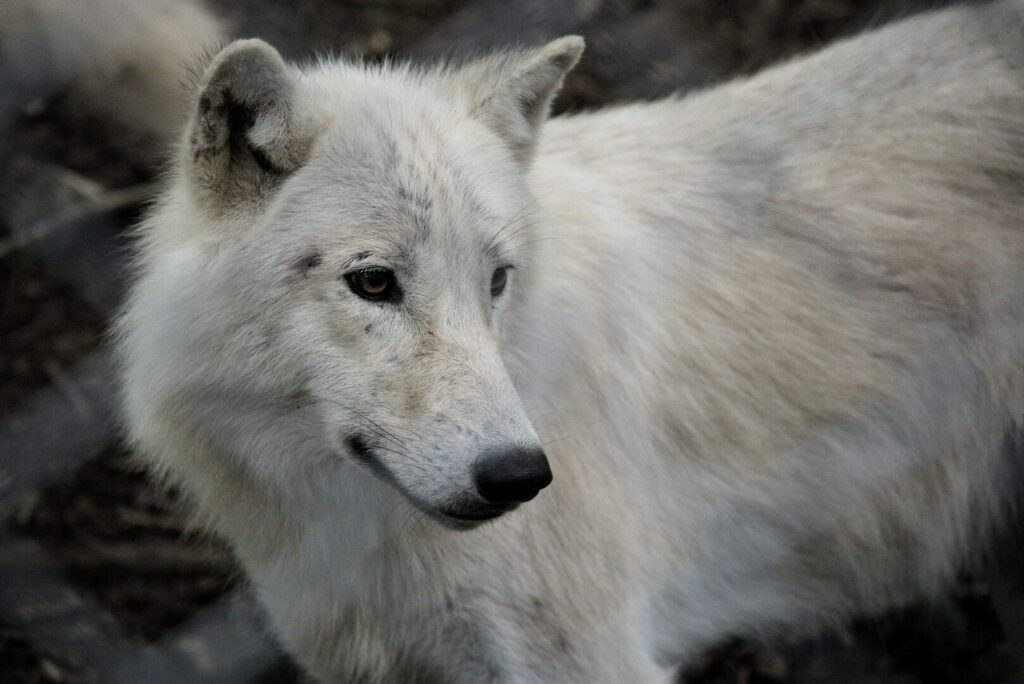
515	475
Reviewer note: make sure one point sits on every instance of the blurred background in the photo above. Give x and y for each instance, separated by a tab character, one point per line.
100	579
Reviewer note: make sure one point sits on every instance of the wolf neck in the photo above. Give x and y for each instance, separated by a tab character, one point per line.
340	519
316	522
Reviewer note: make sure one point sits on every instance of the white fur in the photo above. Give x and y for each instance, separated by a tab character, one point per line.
770	337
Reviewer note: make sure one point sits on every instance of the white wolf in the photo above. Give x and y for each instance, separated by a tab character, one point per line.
768	340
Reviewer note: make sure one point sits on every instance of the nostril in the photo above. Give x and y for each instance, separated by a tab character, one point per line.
512	475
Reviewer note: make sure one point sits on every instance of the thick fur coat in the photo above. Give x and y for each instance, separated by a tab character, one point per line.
770	338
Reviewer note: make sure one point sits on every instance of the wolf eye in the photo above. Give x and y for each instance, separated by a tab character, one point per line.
499	279
376	284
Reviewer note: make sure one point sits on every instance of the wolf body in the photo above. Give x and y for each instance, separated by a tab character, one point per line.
769	337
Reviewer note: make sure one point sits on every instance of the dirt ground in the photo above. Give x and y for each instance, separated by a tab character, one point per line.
126	543
45	327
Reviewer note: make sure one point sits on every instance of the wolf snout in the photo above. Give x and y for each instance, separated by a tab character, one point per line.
511	475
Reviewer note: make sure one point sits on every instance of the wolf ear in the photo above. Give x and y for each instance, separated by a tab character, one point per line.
512	93
249	129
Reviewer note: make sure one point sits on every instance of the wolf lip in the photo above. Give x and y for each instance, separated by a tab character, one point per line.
480	515
365	455
359	448
463	518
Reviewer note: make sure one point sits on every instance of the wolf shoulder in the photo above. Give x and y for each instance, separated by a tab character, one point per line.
959	64
913	131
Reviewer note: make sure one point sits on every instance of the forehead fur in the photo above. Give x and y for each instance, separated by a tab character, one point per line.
399	150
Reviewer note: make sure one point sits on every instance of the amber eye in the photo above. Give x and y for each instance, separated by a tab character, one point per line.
499	279
376	284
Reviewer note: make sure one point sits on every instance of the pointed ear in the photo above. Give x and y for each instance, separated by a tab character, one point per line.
249	129
512	93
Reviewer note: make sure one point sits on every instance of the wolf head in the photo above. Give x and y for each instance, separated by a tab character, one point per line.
330	276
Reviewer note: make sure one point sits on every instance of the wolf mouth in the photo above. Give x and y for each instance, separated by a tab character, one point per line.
464	517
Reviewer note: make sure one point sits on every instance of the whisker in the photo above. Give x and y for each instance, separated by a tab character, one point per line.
509	237
493	246
539	240
412	518
554	440
379	430
520	213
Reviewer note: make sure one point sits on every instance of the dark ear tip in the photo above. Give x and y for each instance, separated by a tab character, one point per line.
247	48
246	56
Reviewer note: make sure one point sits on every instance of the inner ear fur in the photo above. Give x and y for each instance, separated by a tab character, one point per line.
248	129
512	92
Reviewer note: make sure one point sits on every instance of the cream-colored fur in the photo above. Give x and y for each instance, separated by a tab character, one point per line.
770	337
